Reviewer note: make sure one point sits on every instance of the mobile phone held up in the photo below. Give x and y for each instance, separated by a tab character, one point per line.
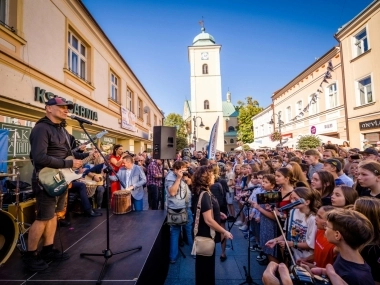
269	197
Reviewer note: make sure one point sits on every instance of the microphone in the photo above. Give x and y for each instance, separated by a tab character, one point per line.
80	120
291	205
252	188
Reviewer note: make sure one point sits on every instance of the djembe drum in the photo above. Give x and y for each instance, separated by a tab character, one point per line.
121	202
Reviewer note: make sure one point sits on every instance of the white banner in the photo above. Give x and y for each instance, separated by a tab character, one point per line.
213	140
128	119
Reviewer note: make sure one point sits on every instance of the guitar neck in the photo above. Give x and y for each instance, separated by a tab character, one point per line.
84	161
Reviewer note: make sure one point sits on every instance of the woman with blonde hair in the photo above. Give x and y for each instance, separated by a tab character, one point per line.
370	208
298	173
209	218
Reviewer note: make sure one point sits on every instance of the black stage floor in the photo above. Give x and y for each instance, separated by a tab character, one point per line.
88	235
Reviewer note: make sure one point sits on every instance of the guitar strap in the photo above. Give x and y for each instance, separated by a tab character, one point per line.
69	151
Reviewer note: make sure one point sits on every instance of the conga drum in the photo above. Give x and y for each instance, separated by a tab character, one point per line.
8	236
91	187
122	202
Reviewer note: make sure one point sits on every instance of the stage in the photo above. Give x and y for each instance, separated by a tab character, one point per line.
88	235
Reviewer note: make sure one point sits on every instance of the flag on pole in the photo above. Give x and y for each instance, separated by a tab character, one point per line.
213	140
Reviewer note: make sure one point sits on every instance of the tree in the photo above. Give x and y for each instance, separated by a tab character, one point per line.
308	142
246	110
175	120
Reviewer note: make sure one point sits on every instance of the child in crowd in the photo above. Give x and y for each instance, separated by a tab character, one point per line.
369	177
301	228
231	184
324	252
323	181
343	196
349	230
268	224
238	191
370	208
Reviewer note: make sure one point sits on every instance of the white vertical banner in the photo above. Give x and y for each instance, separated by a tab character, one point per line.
213	140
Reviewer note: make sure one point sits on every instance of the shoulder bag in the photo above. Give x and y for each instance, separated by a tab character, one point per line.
203	245
180	218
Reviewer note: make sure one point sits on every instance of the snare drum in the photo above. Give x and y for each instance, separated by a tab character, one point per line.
8	236
91	188
122	202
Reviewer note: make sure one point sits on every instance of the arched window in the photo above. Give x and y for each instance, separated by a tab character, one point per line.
231	140
231	129
206	105
205	69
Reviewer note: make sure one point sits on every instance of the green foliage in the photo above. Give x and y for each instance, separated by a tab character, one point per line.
246	111
175	120
308	142
246	147
181	143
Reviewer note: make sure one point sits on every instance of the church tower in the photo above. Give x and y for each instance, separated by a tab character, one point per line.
206	90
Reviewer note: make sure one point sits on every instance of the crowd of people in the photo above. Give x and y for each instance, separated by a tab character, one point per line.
334	229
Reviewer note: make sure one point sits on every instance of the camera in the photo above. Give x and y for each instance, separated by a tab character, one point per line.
301	276
269	197
355	156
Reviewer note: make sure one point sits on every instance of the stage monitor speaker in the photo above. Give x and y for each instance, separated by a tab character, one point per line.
27	212
164	142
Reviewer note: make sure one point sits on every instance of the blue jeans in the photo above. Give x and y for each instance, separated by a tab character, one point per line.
153	196
175	231
80	188
137	204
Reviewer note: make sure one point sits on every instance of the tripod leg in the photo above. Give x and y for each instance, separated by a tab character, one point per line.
102	272
136	248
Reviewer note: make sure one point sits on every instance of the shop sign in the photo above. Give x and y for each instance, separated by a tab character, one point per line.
81	135
373	124
21	135
128	119
108	140
42	96
323	128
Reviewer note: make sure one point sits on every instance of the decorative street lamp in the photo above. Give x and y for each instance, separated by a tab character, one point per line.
279	122
194	133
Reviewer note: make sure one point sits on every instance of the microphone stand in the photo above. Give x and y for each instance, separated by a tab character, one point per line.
106	253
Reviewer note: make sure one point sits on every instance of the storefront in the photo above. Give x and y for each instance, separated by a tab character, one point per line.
370	130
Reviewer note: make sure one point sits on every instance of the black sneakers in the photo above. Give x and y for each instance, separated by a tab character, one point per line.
54	255
34	262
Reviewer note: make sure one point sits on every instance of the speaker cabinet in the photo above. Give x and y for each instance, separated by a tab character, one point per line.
26	212
164	142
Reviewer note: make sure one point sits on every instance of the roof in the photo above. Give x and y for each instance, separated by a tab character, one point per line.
229	109
203	39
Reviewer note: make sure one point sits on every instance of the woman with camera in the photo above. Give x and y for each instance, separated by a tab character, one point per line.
209	218
179	201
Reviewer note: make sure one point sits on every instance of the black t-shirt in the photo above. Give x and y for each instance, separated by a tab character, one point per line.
353	273
371	255
203	228
367	193
219	190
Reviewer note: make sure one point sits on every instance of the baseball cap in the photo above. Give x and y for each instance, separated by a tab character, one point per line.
59	101
369	150
334	162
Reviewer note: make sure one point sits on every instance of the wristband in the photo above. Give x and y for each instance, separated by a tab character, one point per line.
295	245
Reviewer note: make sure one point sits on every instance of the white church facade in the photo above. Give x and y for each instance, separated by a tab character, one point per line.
206	105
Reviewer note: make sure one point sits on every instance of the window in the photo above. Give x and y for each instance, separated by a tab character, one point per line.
148	118
140	108
299	106
288	114
365	91
231	140
231	129
361	42
256	131
3	14
206	105
205	69
154	120
77	56
114	87
129	100
332	99
313	108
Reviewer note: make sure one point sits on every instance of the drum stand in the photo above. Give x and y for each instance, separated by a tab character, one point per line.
106	253
21	245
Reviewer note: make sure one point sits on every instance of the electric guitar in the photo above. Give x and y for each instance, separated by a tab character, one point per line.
56	181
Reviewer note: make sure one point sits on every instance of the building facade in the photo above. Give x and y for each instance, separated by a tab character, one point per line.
56	48
206	90
313	102
261	127
360	48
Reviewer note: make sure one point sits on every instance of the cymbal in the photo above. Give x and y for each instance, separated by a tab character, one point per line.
7	174
16	160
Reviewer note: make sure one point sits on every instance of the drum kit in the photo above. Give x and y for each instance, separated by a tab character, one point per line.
12	230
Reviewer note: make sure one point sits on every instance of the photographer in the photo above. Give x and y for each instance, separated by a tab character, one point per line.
179	199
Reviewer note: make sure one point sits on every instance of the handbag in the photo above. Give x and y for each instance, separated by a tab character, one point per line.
204	246
174	218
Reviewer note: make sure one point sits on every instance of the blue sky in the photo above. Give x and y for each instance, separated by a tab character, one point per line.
264	43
